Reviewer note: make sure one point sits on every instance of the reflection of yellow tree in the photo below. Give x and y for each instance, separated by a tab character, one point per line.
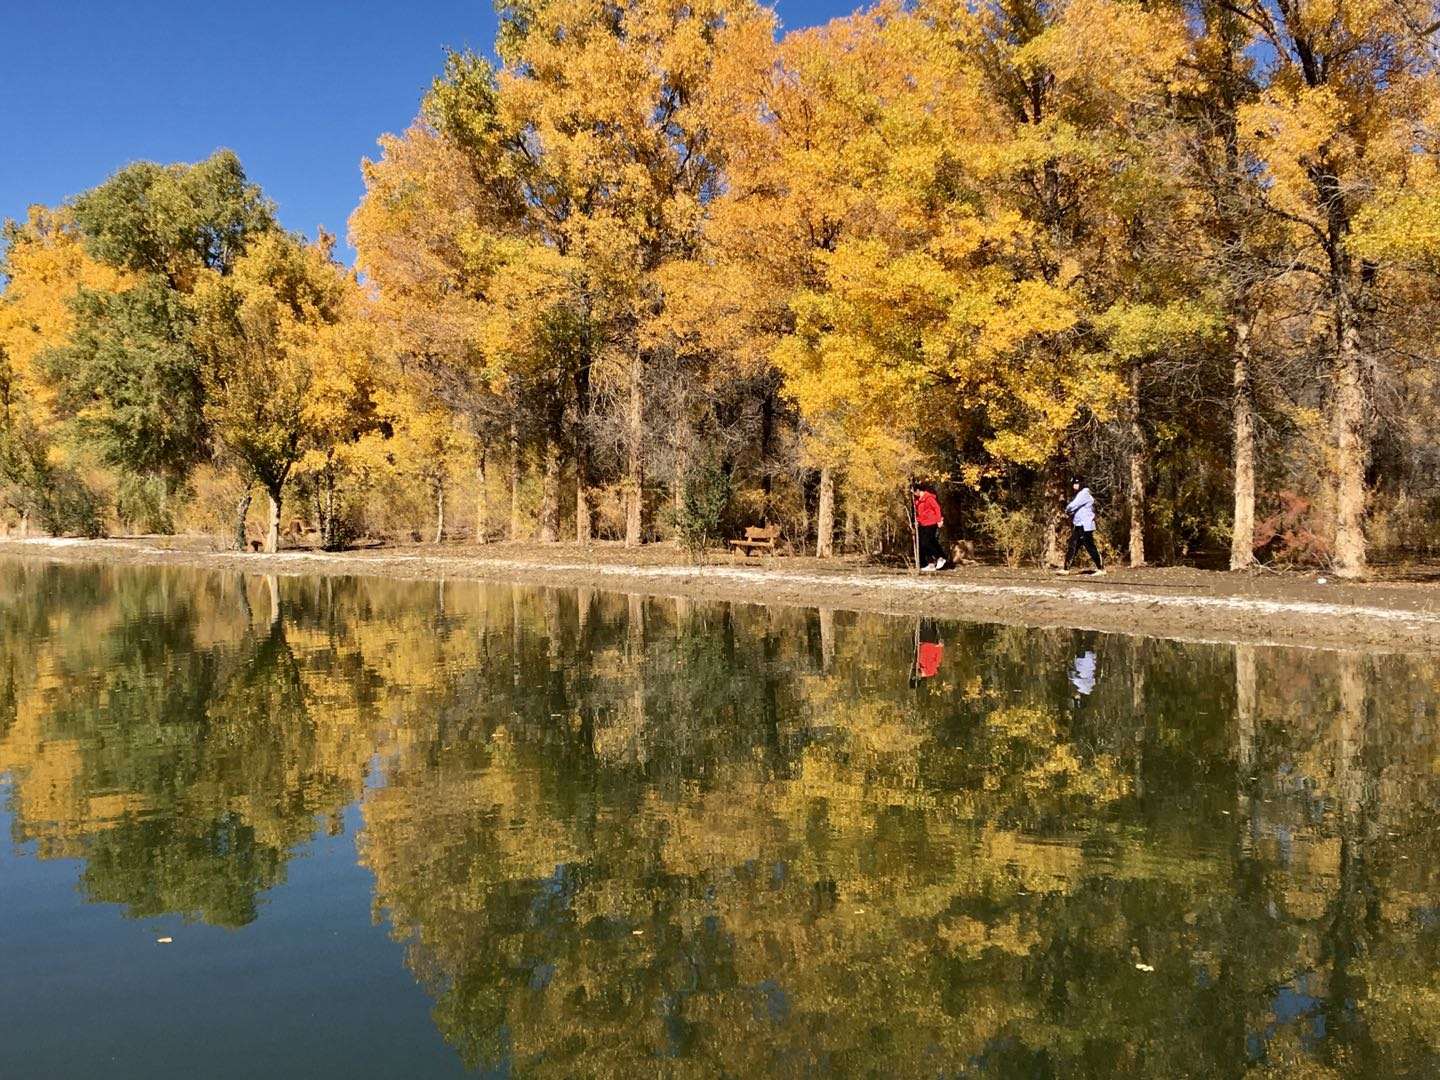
601	908
625	835
797	871
181	746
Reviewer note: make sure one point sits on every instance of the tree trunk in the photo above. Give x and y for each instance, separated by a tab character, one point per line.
514	480
767	438
825	515
914	524
1242	539
482	500
242	511
549	531
1352	447
1053	556
273	584
1138	452
850	527
1246	699
439	511
584	601
584	527
272	536
324	504
1351	721
24	524
827	639
681	447
634	464
584	520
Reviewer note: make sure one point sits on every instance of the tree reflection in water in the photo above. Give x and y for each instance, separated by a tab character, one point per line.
653	836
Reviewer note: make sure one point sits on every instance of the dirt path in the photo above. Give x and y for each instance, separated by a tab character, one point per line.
1179	603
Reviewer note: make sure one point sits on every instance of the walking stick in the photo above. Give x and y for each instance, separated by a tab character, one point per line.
914	525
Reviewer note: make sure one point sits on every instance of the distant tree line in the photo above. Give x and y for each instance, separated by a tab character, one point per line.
650	253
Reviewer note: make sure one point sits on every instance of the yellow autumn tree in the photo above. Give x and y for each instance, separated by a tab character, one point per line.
1349	98
44	264
261	331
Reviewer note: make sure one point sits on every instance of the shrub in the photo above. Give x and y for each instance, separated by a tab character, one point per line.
700	515
1016	534
1293	531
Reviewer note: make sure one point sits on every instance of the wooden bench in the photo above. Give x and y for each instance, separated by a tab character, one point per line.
757	538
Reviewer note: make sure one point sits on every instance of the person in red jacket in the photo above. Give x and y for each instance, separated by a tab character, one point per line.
928	519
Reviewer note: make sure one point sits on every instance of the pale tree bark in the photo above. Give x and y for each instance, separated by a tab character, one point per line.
635	660
24	524
767	440
827	639
482	501
1351	722
584	528
514	480
327	511
272	535
517	637
634	463
849	534
1247	715
635	629
584	512
550	492
242	511
1242	539
1246	698
1352	450
440	511
273	583
1054	553
1139	450
825	515
681	446
550	601
584	601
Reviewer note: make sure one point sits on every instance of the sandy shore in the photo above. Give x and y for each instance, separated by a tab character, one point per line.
1400	612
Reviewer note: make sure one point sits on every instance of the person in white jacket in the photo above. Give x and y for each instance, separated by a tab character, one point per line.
1081	509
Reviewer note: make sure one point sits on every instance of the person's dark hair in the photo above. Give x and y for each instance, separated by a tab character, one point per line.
1077	480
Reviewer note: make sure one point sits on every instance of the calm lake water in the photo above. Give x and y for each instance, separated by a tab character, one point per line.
400	829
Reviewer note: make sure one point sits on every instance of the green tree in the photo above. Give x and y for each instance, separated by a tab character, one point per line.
129	376
174	220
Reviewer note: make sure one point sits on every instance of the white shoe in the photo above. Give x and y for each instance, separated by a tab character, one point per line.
1063	573
940	563
928	568
1098	573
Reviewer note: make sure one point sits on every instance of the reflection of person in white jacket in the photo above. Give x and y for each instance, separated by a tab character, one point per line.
1082	673
1081	509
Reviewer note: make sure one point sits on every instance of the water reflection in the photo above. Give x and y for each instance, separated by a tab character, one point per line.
929	651
625	834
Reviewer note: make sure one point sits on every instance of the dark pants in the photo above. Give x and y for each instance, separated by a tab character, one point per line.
930	548
1082	538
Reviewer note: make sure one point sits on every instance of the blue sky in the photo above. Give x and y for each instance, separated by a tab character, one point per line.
298	88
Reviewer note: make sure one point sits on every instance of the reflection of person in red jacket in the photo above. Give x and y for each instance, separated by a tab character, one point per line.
929	651
928	519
